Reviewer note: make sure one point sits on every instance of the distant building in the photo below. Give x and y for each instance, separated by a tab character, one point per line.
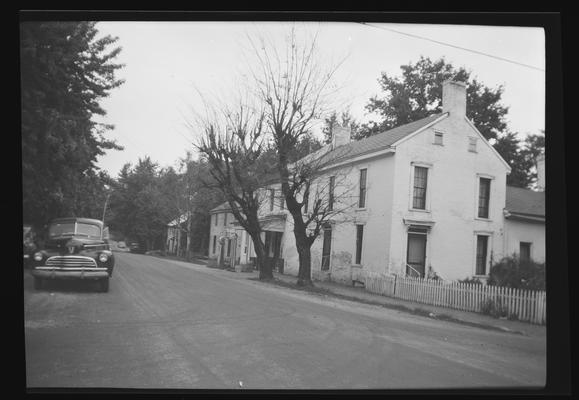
176	242
229	244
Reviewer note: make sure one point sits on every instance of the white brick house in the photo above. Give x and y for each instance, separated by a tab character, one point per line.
428	196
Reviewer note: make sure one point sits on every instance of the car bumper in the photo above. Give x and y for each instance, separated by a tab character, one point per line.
70	273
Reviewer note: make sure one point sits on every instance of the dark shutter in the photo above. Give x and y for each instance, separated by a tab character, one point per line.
326	250
362	200
359	238
484	197
420	182
481	254
331	194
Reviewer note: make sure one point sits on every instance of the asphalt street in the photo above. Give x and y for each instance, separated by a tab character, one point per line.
169	324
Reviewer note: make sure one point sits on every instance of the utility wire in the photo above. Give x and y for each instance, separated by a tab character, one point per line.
454	46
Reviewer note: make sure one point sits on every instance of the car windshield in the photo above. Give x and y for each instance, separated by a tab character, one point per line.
72	228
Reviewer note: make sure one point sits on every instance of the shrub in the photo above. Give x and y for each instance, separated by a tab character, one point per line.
514	273
494	308
473	279
432	275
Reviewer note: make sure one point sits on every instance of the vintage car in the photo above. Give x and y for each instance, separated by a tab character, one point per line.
75	248
134	247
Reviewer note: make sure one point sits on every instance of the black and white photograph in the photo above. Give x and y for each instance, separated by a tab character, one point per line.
283	204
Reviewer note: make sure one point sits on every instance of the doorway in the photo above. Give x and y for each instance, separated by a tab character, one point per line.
273	249
416	254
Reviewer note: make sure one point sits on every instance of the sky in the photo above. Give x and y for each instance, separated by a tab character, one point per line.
167	65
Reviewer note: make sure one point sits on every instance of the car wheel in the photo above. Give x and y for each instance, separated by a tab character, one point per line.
104	285
38	283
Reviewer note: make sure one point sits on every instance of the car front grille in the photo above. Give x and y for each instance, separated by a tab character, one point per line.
70	261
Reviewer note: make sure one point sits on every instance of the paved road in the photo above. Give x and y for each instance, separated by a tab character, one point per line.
168	324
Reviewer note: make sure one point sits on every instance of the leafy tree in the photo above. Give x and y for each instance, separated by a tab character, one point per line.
65	72
509	147
418	94
533	146
521	156
139	206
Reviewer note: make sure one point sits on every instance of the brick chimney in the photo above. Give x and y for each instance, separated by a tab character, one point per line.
541	184
454	98
340	135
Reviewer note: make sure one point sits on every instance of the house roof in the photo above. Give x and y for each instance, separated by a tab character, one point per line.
221	207
525	201
376	142
178	220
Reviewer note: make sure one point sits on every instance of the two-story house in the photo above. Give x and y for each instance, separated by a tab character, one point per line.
431	198
423	198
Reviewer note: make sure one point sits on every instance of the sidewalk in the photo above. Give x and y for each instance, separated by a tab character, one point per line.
463	317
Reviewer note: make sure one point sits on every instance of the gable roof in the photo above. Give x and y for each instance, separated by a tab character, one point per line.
376	142
221	207
179	220
525	201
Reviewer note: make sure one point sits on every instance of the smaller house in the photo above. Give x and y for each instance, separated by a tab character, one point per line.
176	242
229	243
524	225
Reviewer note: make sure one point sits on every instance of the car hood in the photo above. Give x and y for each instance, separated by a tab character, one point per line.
64	244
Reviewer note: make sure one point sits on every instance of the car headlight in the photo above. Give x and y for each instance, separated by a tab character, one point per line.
38	256
103	257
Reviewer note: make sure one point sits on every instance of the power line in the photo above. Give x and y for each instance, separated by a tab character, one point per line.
454	46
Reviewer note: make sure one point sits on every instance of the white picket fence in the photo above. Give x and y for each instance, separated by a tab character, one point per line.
525	305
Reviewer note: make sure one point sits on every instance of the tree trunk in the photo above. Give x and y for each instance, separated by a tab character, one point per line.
305	269
188	256
265	270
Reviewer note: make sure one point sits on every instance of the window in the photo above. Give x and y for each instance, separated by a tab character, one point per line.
214	243
271	199
420	179
438	138
225	219
305	200
472	144
362	199
331	193
525	252
326	249
359	237
484	197
228	248
216	215
481	254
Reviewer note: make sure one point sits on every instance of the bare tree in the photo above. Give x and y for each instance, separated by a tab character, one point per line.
232	142
296	89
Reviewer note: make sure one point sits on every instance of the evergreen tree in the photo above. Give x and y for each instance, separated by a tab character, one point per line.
65	72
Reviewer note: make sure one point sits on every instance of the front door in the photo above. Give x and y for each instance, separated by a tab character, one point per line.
416	255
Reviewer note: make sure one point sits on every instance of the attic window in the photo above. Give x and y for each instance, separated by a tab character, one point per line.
472	144
438	138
